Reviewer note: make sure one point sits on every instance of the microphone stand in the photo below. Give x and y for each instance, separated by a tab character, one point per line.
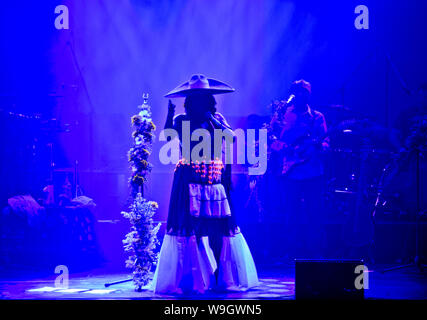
417	259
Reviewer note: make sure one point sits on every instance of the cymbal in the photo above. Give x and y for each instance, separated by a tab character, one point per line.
359	133
336	113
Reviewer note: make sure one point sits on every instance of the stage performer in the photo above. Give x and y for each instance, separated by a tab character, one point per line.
203	247
298	139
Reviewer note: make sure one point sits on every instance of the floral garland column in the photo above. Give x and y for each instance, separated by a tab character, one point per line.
141	241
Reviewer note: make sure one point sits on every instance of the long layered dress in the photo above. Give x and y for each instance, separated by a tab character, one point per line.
203	247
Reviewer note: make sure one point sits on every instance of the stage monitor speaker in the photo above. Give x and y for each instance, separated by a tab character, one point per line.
329	279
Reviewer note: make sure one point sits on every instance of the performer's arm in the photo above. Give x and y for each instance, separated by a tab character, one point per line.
219	121
323	132
171	113
274	119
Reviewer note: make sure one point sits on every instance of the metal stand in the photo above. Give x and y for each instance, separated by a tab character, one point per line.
417	259
108	284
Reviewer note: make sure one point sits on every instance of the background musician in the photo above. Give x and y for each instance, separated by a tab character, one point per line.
299	137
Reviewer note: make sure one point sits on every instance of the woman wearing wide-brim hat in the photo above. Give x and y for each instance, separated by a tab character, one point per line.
203	247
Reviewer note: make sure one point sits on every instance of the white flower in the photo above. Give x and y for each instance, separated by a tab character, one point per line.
145	114
139	140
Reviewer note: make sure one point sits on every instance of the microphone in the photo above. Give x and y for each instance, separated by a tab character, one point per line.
290	99
283	105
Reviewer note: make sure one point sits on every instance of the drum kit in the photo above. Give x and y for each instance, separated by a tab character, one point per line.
365	161
372	178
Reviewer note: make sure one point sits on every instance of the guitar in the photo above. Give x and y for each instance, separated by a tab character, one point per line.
298	152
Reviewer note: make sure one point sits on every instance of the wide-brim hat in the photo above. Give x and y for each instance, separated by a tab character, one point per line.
199	83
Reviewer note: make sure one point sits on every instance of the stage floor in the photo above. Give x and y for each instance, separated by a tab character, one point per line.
275	283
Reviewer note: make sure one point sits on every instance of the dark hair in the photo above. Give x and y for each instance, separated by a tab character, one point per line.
199	104
300	86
